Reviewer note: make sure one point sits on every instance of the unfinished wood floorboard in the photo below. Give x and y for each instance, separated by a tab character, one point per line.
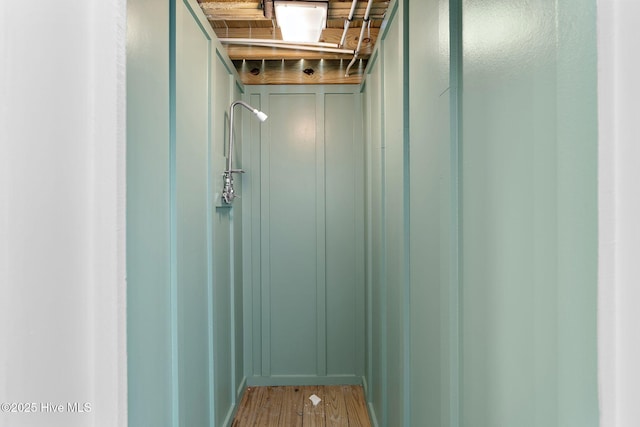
250	403
356	406
292	407
244	403
289	406
271	403
335	407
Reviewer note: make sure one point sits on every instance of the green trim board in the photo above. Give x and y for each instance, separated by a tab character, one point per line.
393	224
406	199
368	271
192	208
149	380
359	224
376	345
175	384
227	248
281	380
211	211
236	269
455	119
321	236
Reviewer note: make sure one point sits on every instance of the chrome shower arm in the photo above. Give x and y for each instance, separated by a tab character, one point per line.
228	193
255	111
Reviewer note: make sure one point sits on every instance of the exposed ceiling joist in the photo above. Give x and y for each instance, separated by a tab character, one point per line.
229	11
299	72
244	19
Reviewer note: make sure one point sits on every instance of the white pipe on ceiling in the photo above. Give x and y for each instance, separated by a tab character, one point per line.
315	47
240	40
365	23
347	22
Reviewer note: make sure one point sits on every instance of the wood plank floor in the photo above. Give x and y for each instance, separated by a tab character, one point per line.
289	406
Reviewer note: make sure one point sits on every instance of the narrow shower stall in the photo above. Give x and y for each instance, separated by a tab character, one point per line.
429	234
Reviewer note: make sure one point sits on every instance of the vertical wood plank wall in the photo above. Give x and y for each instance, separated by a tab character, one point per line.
191	279
304	276
529	214
150	381
374	380
499	220
184	251
502	212
433	167
393	236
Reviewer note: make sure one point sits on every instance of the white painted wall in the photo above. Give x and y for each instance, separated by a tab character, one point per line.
619	200
62	212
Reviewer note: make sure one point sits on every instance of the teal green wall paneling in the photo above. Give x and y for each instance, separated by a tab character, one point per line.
375	378
451	380
502	210
191	198
577	157
237	330
304	275
528	201
299	286
502	297
148	240
222	248
192	134
393	205
290	276
185	338
344	225
252	295
431	214
386	378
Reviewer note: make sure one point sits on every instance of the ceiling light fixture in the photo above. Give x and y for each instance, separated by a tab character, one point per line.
301	21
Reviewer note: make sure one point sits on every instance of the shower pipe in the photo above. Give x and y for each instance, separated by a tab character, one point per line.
228	193
316	47
365	23
347	22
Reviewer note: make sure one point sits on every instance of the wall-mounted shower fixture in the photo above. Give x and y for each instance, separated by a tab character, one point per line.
228	194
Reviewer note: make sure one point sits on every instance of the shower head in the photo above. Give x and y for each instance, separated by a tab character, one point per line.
260	115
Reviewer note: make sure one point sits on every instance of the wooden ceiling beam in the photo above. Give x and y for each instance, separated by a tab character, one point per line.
260	65
230	11
340	10
225	5
246	23
234	14
268	23
299	72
